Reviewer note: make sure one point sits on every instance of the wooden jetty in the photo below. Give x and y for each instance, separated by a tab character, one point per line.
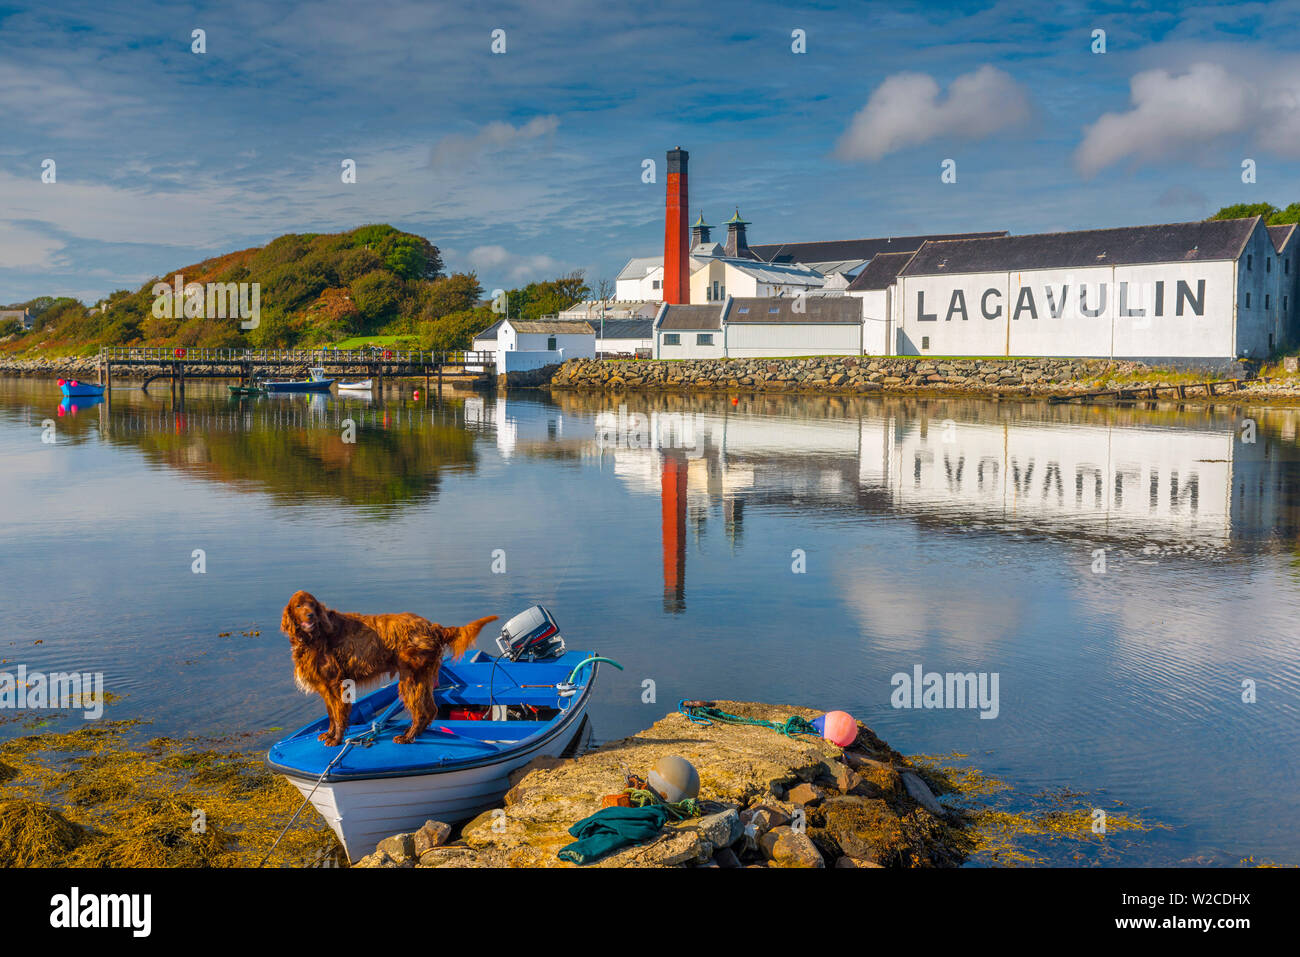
1181	390
180	364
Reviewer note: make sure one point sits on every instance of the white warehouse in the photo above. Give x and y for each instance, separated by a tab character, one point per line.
1218	289
760	327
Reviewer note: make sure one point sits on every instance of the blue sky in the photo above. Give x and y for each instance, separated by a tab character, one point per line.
526	164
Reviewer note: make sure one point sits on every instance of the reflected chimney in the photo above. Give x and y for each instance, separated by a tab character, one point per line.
673	488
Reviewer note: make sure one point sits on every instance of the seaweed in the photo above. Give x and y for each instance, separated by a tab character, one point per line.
1007	828
91	798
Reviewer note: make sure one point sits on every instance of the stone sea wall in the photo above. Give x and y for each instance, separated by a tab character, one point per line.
54	366
847	374
767	801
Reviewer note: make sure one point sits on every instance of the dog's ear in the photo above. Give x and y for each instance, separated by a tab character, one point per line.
287	624
326	619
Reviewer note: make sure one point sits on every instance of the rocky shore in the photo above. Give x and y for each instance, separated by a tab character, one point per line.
766	801
862	375
53	366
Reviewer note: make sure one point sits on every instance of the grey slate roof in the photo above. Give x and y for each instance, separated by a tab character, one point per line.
1281	235
817	310
1129	245
626	328
561	326
691	317
841	250
881	271
490	332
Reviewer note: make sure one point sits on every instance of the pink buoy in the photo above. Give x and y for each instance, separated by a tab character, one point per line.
75	383
62	382
837	727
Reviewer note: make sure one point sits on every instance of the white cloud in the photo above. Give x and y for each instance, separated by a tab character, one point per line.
907	109
498	261
456	150
1170	114
22	248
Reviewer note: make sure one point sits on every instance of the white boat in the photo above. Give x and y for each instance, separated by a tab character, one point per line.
365	385
500	714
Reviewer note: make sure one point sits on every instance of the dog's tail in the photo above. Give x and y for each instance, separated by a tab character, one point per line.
466	634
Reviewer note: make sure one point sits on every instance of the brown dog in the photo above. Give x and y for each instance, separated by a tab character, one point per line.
330	647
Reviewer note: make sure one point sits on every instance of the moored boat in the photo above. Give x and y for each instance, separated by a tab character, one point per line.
73	387
495	715
317	383
365	385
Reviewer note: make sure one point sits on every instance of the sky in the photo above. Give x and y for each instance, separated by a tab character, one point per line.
528	163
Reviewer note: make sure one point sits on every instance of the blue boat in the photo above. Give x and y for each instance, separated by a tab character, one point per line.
317	383
495	715
75	388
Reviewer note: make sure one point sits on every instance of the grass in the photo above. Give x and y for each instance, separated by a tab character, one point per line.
364	342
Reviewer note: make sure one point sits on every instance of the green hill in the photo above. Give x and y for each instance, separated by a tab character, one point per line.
312	289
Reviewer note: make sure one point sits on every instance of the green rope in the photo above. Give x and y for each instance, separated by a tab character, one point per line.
678	810
703	712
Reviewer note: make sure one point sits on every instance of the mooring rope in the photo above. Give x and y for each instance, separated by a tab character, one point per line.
705	713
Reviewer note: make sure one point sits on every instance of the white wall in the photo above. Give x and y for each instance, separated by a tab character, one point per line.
760	340
1041	312
689	348
643	288
573	345
877	321
624	345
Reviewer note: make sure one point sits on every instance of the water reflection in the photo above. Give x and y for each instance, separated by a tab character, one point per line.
1192	479
352	450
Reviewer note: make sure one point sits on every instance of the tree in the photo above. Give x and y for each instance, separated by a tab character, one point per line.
455	330
454	293
1245	211
1289	215
376	295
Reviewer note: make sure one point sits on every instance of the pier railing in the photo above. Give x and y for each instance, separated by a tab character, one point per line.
151	355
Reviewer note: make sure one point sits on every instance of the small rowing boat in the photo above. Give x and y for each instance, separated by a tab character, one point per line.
495	715
317	383
365	385
73	387
242	390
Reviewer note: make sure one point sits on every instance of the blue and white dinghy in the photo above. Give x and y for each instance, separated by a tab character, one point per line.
495	714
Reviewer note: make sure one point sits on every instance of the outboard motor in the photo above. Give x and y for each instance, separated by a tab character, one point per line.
532	635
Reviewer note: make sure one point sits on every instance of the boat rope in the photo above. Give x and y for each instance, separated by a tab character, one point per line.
678	810
365	737
705	713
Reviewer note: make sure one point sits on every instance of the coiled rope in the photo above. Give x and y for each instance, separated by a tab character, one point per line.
705	713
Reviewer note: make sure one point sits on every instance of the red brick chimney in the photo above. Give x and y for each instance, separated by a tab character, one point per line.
677	270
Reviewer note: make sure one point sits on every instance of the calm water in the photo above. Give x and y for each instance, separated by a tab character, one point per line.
960	536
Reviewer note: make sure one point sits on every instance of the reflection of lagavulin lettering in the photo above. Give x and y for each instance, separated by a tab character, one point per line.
948	690
664	430
76	909
218	300
58	690
1057	302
